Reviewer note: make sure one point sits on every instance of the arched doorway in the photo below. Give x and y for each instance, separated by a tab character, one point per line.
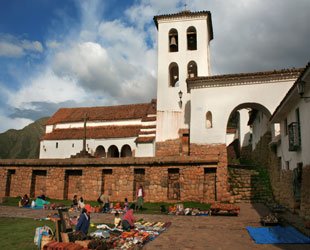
126	151
113	152
247	124
100	152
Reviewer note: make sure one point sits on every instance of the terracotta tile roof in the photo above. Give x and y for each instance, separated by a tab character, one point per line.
93	133
147	132
149	139
105	113
149	119
229	79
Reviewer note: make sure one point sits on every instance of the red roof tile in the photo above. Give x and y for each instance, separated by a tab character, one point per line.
145	139
93	133
106	113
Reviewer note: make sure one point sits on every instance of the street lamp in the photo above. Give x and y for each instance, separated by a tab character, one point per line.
301	89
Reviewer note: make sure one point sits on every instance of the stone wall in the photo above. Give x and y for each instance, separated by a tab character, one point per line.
219	150
282	179
188	178
169	148
305	193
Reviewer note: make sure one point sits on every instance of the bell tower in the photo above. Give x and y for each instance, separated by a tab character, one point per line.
183	52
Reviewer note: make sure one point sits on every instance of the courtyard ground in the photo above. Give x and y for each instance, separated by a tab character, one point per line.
192	232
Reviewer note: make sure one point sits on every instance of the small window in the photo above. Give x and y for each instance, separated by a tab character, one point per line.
191	69
209	120
173	40
191	38
73	145
56	144
174	74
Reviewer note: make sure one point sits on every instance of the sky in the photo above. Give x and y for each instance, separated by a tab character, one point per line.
74	53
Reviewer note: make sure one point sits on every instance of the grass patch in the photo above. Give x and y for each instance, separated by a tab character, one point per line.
18	233
148	208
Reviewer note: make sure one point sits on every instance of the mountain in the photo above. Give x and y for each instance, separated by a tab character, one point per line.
23	143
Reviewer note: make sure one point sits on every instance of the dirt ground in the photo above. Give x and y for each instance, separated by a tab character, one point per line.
189	232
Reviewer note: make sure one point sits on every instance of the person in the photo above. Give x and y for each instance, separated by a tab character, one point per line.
126	205
140	197
74	202
128	220
117	220
105	202
84	220
24	202
81	204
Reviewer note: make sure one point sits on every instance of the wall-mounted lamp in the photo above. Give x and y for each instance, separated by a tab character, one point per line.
301	89
180	96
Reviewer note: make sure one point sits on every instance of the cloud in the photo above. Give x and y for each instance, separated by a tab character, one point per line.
11	46
10	50
12	123
104	61
52	44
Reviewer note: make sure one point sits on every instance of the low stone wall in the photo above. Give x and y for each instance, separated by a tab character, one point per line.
164	179
282	180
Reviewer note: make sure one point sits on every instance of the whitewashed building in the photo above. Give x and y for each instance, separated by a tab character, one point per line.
293	115
193	107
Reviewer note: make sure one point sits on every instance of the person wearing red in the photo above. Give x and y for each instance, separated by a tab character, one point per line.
128	220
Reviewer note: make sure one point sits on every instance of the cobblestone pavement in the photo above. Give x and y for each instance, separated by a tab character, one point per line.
190	232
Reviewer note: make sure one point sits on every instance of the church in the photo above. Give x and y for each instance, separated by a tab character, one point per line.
191	115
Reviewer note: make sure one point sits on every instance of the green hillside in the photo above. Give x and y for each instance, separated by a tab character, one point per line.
24	143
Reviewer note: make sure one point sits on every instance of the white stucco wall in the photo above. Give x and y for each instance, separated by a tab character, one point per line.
302	155
260	127
221	101
65	149
167	97
145	150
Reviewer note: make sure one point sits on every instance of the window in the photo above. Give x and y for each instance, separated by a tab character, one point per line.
73	145
293	136
173	74
173	40
209	120
56	144
191	69
191	38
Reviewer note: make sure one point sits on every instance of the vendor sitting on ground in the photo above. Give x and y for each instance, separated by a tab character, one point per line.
128	220
117	221
84	220
24	201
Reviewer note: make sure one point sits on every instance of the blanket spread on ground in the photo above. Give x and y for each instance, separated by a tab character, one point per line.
277	235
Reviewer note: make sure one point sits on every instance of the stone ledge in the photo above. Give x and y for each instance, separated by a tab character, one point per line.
156	161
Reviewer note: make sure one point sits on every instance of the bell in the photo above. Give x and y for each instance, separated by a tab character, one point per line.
173	41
